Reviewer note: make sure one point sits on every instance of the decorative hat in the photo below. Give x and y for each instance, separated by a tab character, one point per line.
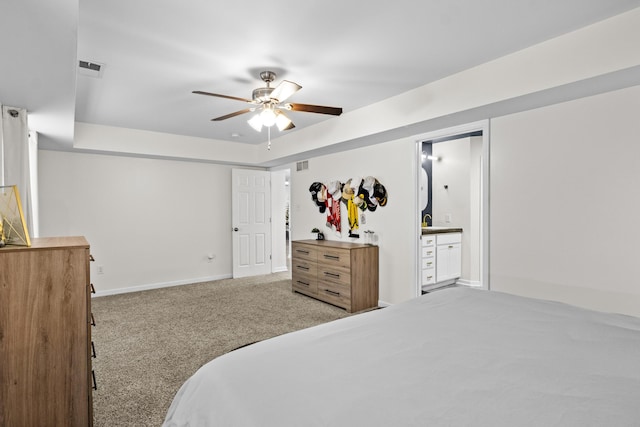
347	191
380	194
368	184
322	194
363	194
318	195
355	184
335	189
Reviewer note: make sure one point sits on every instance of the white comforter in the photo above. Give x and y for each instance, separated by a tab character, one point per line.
456	357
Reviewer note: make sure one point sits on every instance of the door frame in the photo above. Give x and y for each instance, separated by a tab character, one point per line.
484	126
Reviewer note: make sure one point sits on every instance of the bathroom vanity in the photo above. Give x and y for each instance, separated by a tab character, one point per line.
441	256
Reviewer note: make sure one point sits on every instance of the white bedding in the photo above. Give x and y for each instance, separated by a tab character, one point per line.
456	357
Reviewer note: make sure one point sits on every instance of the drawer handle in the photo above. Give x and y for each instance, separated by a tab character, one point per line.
429	263
333	257
429	252
327	273
93	290
93	320
302	283
91	258
302	252
429	277
302	267
334	293
450	246
93	350
93	377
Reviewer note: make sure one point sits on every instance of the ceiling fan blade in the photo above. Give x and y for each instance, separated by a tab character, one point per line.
334	111
284	90
228	116
199	92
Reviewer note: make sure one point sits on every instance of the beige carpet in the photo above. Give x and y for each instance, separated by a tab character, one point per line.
148	343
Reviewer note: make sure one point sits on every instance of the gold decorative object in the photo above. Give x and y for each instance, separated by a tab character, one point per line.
13	228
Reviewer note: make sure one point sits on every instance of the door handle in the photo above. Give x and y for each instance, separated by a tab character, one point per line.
235	228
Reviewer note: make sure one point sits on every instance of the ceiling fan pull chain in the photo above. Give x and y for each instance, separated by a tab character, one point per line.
269	138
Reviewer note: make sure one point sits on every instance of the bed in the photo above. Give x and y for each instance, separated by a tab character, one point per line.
455	357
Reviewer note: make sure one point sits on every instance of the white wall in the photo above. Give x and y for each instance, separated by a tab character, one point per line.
451	182
394	165
459	170
565	202
149	222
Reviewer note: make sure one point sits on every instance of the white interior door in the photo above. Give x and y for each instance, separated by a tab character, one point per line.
251	222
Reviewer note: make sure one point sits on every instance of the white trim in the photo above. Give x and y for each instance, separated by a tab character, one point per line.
484	126
384	303
280	269
469	283
159	285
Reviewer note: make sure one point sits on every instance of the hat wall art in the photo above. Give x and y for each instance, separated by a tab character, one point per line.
356	194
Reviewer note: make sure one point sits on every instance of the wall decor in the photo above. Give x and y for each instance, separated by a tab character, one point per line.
365	194
13	227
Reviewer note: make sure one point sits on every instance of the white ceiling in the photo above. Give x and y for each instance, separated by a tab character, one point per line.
345	54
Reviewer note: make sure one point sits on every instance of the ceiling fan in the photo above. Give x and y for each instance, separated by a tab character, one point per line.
269	103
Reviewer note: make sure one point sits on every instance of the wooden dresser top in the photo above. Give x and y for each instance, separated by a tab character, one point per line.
50	243
333	244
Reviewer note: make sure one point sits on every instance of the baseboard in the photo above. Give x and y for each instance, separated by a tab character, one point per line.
280	269
151	286
470	283
383	303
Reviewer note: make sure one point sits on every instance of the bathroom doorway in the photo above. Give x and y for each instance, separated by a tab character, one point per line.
453	192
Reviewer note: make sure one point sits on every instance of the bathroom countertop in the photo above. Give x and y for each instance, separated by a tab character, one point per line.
438	230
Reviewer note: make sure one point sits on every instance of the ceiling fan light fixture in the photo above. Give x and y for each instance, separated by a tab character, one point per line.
283	122
268	116
256	122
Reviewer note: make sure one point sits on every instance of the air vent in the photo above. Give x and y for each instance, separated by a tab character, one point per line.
303	165
92	69
90	65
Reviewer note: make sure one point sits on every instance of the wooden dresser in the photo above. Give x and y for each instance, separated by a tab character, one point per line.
45	336
340	273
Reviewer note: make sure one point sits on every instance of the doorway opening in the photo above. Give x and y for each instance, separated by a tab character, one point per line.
453	190
280	202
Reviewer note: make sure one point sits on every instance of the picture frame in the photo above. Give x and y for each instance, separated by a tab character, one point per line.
13	227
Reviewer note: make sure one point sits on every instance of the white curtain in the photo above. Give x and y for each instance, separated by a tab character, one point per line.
18	161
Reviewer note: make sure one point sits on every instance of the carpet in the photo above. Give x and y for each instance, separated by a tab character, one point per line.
148	343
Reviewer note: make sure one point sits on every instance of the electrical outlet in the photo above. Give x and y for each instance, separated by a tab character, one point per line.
447	218
100	269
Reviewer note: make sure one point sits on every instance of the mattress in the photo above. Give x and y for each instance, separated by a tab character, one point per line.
455	357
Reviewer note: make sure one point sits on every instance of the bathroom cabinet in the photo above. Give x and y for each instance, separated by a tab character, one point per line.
441	257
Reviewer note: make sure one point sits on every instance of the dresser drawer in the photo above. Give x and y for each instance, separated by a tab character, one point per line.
303	266
332	258
334	274
336	294
307	252
305	283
